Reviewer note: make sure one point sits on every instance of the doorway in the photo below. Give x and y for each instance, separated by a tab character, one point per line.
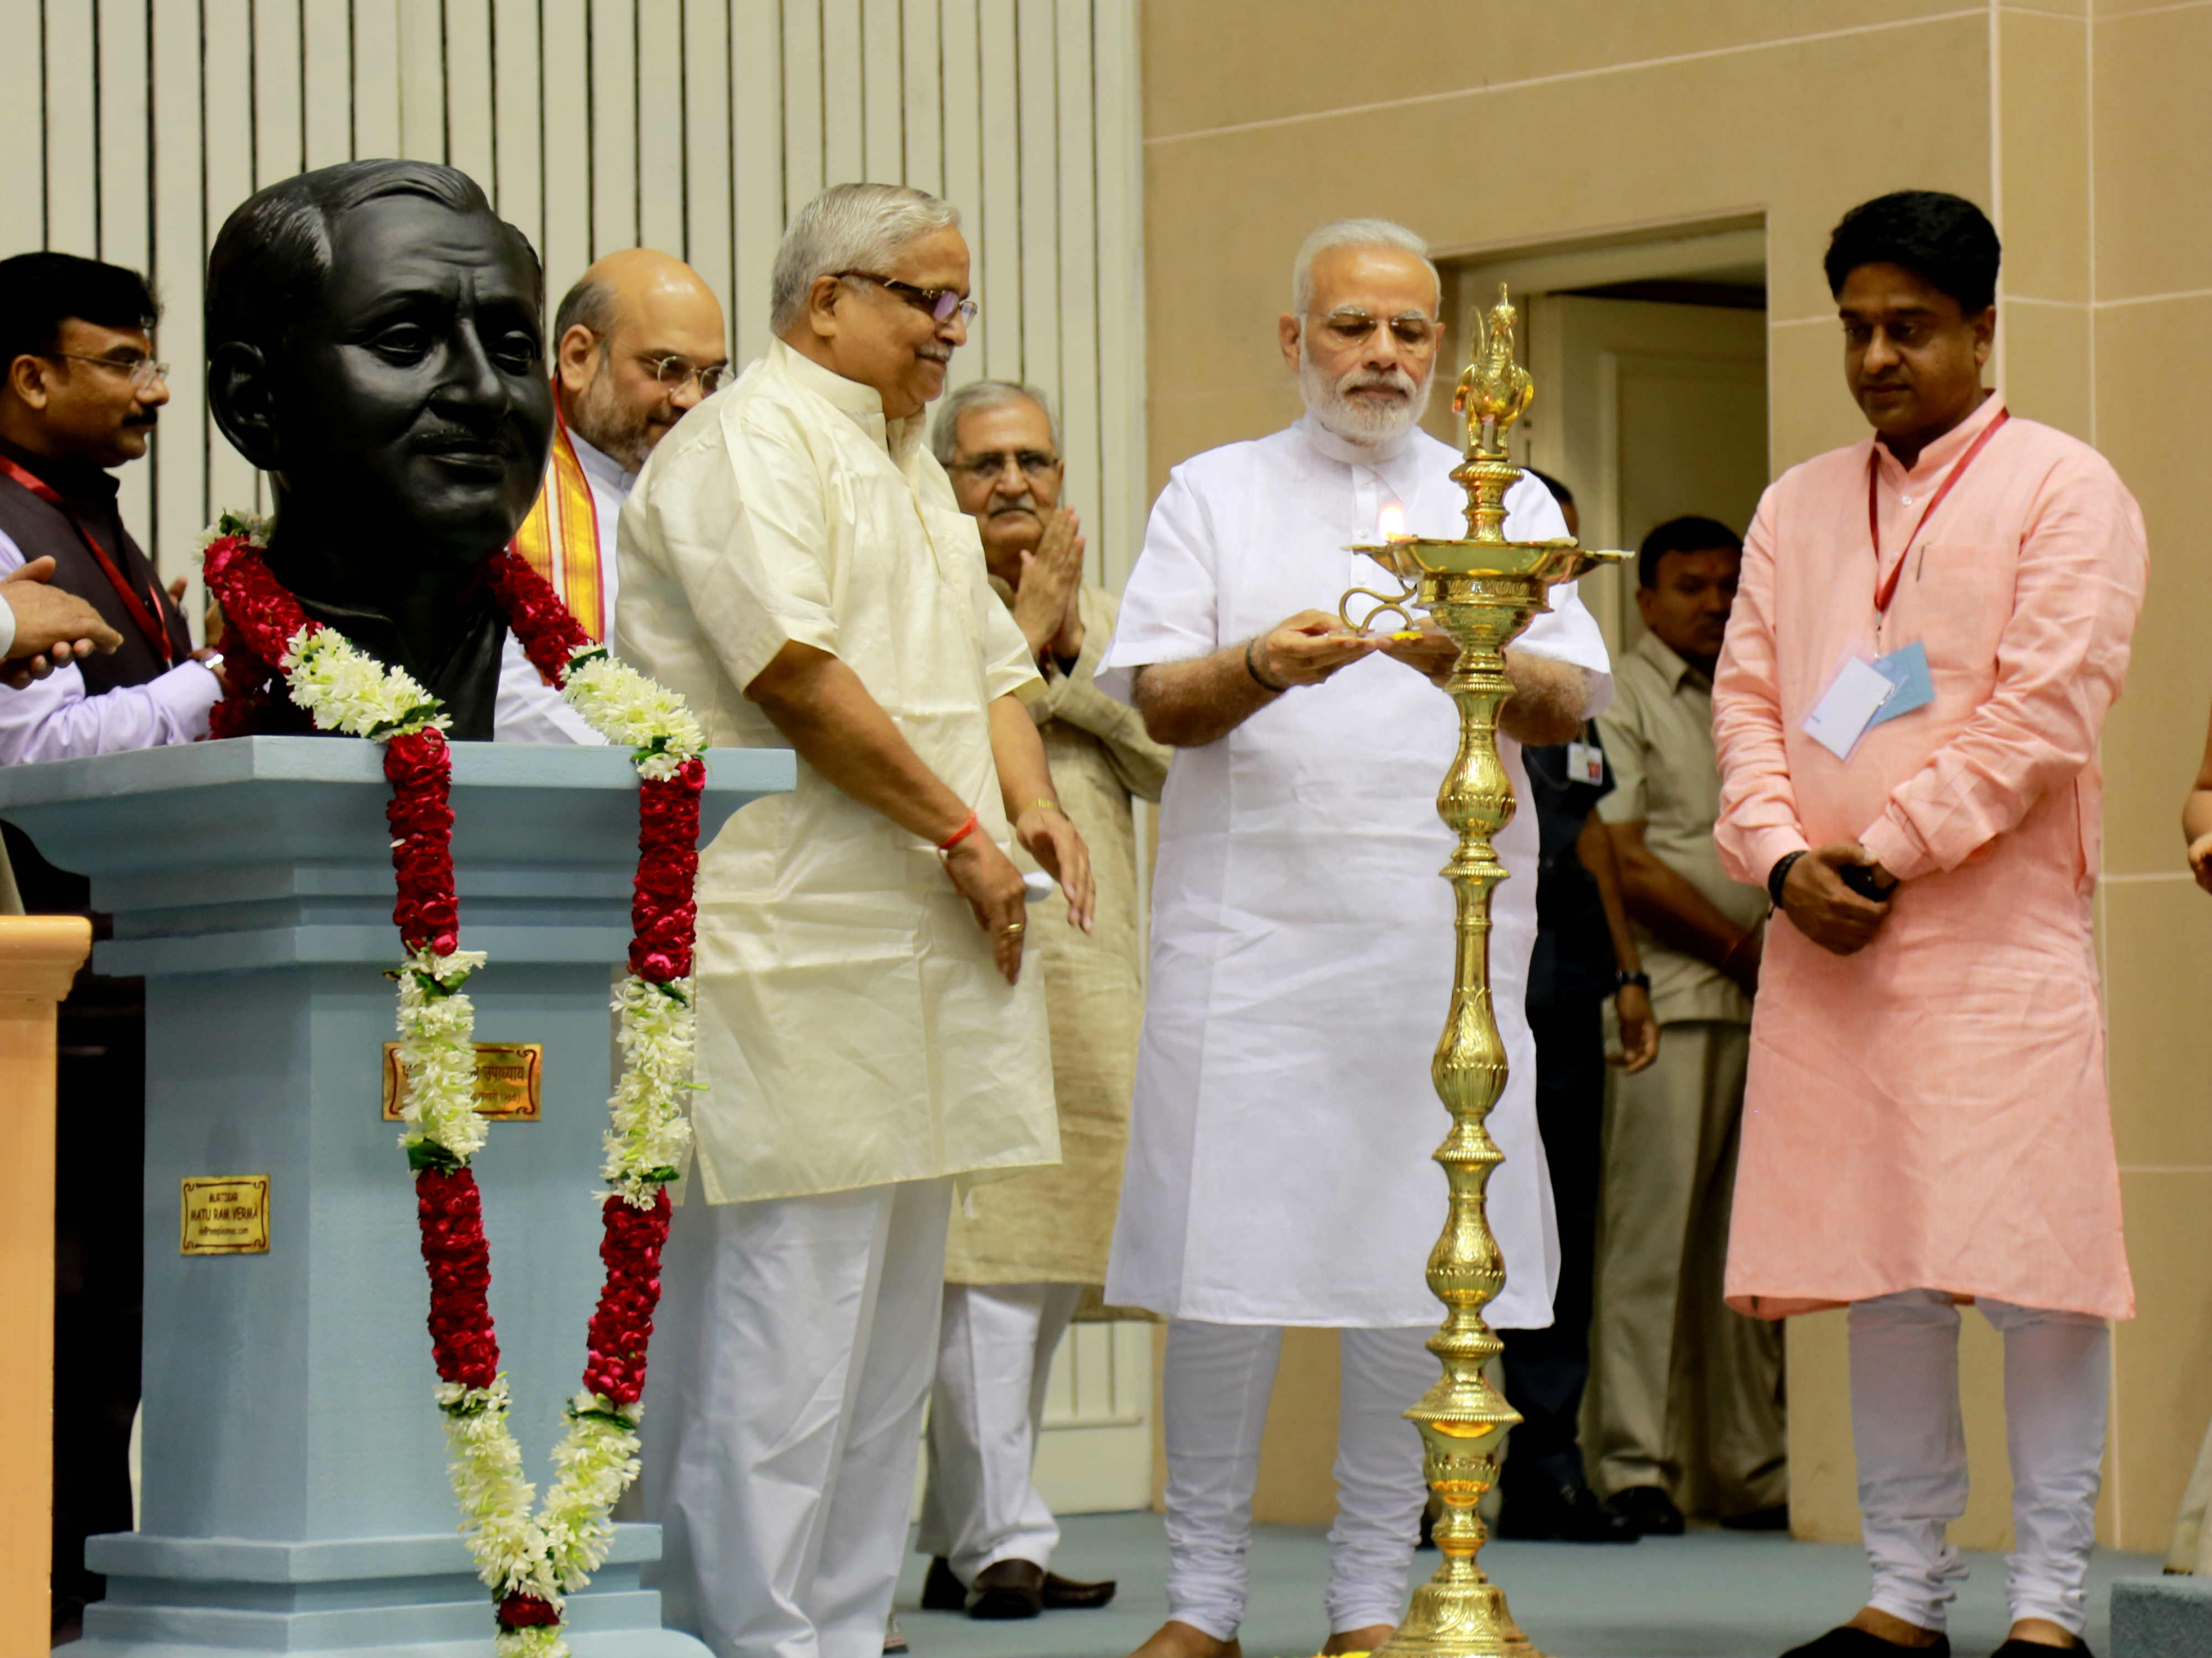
1649	359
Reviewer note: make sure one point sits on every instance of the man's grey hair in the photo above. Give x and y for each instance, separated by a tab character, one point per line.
1351	233
944	433
849	227
590	302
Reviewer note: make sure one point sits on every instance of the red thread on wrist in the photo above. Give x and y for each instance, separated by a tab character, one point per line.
968	826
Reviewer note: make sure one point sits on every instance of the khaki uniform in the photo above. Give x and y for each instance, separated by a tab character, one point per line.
1684	1393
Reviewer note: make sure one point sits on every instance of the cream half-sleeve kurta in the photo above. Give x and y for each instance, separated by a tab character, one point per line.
1054	1225
853	1030
1930	1113
1279	1165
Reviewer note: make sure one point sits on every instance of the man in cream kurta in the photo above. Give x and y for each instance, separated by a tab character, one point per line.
1280	1166
796	566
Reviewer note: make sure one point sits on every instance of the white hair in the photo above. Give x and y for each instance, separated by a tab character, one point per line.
848	228
944	431
1351	233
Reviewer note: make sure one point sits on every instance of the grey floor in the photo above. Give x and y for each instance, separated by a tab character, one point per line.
1710	1595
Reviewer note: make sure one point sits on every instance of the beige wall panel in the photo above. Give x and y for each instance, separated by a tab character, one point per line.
1180	428
68	53
2043	70
1824	1502
2154	408
1808	409
2158	981
1216	64
2153	221
1227	211
2162	1391
2047	365
1297	1485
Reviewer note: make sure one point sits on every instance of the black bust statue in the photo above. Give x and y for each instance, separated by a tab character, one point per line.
374	345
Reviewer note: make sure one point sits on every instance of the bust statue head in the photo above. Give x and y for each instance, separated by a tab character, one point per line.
375	344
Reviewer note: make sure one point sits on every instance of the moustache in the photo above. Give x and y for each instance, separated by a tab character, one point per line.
146	422
1397	380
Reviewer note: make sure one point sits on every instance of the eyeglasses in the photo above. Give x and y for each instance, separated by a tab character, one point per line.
142	371
1349	327
940	304
674	374
1033	464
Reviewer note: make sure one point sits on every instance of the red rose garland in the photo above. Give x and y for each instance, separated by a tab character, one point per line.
263	624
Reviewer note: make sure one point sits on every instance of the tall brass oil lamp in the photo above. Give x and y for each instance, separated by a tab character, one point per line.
1482	590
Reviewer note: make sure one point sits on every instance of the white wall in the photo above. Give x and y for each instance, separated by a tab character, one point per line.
133	127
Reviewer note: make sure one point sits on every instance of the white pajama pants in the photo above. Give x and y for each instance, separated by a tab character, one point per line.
791	1361
1218	1380
1912	1451
994	1354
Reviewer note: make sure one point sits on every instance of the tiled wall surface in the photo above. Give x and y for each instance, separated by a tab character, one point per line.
2084	127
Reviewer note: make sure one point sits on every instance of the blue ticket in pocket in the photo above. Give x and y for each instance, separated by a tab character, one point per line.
1907	670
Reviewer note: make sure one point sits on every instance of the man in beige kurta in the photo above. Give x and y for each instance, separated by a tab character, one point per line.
1925	1121
1023	1250
795	565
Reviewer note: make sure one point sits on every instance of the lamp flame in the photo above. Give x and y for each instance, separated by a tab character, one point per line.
1391	525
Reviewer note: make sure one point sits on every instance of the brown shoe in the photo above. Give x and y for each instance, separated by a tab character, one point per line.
1065	1595
1008	1589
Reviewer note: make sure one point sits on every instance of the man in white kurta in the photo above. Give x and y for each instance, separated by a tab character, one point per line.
1278	1169
796	566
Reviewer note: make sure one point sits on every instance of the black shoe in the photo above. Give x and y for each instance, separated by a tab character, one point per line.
2013	1649
1776	1518
1008	1589
1857	1643
1649	1509
940	1591
1561	1514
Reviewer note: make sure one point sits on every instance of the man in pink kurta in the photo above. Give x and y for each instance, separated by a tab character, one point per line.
1925	1121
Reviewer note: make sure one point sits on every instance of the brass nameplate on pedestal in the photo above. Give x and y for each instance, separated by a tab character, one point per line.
507	1081
225	1215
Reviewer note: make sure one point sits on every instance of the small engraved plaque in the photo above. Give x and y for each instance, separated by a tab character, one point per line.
225	1215
507	1081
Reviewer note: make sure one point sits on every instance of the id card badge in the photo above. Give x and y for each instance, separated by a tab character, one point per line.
1848	706
1585	764
1907	670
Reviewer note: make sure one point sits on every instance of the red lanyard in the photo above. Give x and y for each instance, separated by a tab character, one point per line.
1887	588
148	621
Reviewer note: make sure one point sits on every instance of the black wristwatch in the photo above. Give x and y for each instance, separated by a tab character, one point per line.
1779	874
1860	878
1641	981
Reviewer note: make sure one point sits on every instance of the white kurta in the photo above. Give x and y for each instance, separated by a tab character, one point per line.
1302	941
853	1029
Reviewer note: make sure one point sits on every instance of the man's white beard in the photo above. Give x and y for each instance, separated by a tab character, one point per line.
1330	402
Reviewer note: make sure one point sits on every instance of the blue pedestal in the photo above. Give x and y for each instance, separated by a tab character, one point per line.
294	1495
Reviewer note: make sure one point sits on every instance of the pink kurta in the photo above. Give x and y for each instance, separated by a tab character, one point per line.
1930	1113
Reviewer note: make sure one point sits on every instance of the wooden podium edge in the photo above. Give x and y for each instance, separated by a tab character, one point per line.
39	956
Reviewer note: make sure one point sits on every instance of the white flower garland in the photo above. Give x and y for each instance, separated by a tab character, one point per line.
648	1135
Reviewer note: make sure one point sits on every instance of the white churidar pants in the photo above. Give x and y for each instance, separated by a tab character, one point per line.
1216	1386
993	1358
792	1359
1912	1451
